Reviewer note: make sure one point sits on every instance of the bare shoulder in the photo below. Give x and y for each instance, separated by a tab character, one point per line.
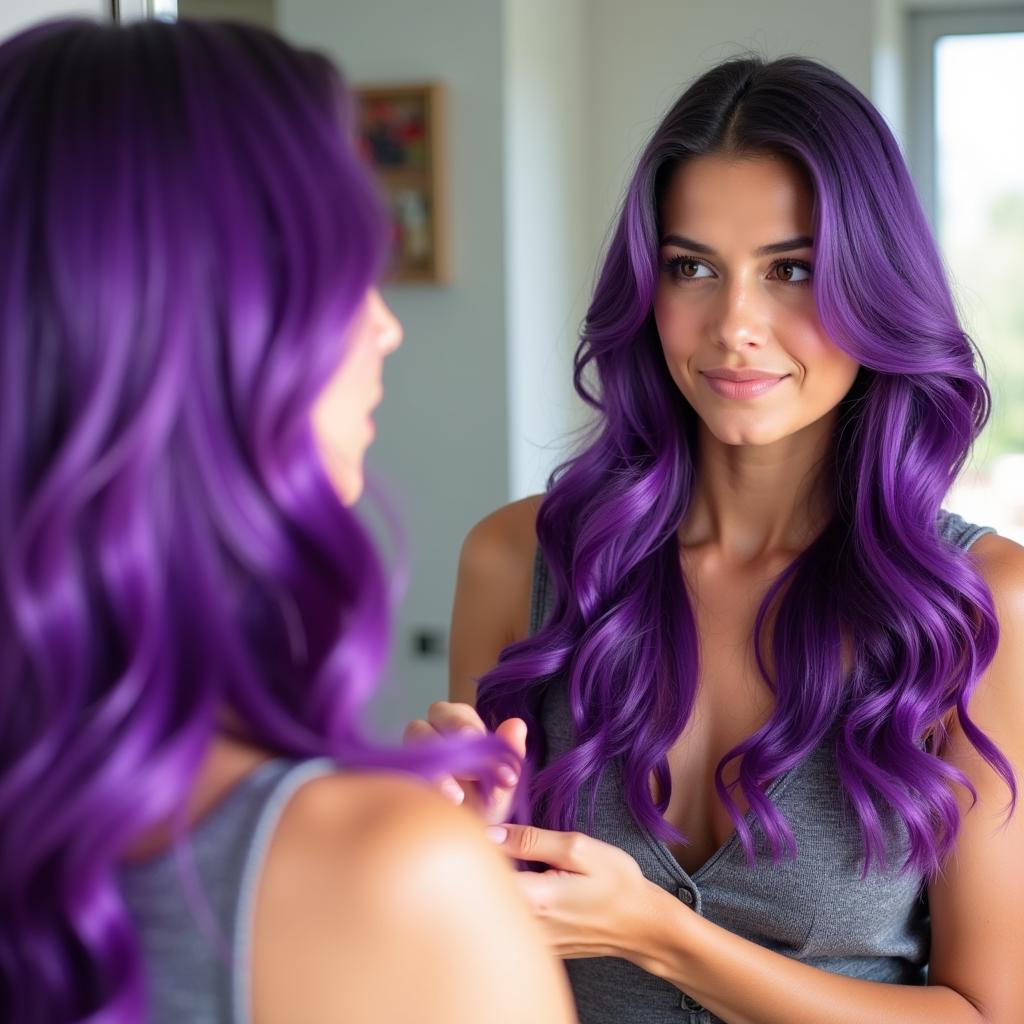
354	831
492	593
1001	564
506	539
998	704
376	896
977	941
386	819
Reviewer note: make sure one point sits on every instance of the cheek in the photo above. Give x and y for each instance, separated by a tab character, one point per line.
826	363
362	369
334	412
843	373
679	332
352	383
676	322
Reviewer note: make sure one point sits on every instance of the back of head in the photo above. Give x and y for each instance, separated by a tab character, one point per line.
188	232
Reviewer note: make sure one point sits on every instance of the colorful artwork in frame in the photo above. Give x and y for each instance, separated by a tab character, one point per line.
402	134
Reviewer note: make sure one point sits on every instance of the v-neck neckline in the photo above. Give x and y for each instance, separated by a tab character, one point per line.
668	858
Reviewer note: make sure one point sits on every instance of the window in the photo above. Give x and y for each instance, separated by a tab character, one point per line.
967	152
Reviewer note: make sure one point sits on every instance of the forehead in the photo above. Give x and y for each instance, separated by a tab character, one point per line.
759	194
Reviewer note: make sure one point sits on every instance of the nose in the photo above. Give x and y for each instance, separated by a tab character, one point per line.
387	327
741	324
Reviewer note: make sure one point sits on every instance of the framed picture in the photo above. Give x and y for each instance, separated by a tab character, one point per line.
402	133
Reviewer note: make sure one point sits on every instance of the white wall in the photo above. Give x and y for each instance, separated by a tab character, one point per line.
18	14
645	52
548	266
259	12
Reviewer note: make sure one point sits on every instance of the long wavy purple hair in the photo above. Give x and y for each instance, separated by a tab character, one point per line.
621	635
187	233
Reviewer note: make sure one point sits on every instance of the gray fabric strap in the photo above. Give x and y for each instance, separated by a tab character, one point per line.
541	597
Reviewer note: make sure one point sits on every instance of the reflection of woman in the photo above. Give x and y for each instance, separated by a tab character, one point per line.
787	734
190	619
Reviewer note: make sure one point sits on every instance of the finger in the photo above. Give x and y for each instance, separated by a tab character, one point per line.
447	717
422	732
451	789
563	850
539	889
418	732
513	732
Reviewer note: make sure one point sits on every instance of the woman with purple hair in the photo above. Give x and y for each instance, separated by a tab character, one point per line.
774	705
194	827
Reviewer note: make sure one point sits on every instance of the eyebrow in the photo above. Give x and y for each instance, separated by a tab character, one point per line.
803	242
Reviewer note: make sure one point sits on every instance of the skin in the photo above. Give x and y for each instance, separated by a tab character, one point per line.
378	900
759	499
341	416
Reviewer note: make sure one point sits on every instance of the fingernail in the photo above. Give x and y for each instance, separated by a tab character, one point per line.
507	775
453	791
497	833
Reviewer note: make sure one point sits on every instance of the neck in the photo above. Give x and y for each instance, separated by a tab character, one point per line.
226	763
752	502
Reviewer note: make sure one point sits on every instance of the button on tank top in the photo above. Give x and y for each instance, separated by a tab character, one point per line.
815	909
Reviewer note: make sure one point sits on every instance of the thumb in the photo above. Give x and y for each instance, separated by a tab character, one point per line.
565	851
513	732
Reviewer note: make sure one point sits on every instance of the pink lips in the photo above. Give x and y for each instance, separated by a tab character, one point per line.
741	383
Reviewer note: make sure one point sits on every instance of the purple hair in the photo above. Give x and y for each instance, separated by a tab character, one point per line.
621	633
187	234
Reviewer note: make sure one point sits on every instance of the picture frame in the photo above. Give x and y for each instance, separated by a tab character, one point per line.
402	133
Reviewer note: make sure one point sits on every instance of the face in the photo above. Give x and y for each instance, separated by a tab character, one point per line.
734	304
342	422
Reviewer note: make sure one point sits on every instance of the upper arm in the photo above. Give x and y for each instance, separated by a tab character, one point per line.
492	593
977	905
380	901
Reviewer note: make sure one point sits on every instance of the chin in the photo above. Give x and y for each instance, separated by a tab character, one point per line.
352	491
745	435
348	483
748	441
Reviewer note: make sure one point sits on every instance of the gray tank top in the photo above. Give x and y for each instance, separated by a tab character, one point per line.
197	959
815	908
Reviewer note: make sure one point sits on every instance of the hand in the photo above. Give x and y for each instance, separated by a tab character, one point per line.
593	901
444	717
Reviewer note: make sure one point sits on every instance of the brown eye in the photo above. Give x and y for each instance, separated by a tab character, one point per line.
682	269
785	269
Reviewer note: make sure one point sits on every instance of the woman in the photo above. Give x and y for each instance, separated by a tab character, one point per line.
194	827
765	684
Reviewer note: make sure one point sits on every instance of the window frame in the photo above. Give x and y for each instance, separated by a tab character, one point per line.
924	29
